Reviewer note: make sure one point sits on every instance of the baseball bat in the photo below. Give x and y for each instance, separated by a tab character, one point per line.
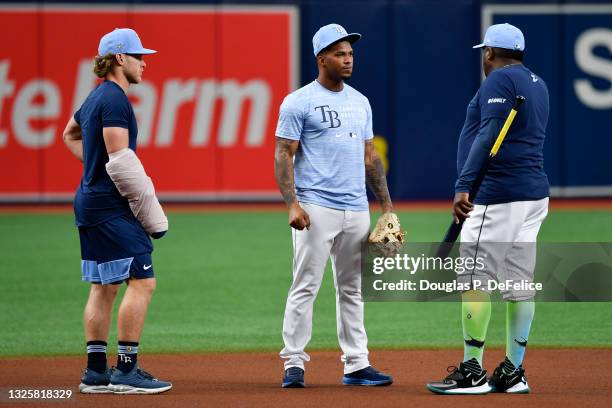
455	229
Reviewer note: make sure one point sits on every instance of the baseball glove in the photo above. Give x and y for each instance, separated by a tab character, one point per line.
387	236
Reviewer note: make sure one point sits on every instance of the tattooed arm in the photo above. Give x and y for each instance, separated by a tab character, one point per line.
375	177
283	171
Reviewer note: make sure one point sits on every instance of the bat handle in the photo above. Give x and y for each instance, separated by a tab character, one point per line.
518	101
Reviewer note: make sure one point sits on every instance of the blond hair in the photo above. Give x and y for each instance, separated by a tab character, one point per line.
103	64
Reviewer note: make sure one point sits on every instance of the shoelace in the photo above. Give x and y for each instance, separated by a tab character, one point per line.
145	374
454	374
294	372
370	370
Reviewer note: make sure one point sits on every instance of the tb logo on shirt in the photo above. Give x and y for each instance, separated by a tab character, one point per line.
330	116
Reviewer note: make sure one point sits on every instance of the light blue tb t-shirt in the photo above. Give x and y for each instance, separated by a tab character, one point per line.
331	127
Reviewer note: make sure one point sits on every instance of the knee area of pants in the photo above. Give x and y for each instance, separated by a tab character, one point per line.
349	294
306	291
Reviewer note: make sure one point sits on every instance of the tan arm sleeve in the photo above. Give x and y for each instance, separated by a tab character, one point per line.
130	178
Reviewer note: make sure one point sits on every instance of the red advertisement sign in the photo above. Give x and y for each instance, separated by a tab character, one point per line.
206	108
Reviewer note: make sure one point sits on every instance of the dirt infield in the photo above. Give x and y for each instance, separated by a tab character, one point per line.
558	378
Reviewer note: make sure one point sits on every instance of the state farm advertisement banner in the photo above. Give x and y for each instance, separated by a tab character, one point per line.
206	108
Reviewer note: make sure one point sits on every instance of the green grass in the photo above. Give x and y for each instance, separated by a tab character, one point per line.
222	285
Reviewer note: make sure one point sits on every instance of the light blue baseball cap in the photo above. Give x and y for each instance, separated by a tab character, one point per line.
330	34
503	36
122	41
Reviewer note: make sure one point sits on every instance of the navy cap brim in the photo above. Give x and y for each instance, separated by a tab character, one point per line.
352	38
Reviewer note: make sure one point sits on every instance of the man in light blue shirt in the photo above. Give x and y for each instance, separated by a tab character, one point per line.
331	127
324	155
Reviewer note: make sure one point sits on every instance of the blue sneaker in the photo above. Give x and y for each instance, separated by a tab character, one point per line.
136	381
94	382
294	378
367	376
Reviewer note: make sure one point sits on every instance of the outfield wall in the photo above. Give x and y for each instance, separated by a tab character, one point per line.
207	109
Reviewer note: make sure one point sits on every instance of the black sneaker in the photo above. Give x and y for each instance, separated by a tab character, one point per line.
462	380
294	378
515	383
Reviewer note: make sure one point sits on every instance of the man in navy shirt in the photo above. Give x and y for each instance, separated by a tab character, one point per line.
116	210
502	224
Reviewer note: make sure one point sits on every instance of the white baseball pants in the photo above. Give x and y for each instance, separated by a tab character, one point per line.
504	235
338	233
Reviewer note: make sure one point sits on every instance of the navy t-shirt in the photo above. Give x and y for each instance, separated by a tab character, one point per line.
517	171
97	199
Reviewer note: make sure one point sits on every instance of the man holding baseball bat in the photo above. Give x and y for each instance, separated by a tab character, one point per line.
501	199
